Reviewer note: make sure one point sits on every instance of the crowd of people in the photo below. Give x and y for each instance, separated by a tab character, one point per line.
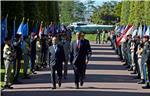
102	36
135	52
38	52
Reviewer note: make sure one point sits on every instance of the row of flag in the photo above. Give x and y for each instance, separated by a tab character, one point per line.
23	29
123	31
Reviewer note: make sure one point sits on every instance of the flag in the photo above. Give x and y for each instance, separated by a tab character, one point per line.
20	29
3	29
134	32
129	31
40	30
147	31
144	29
140	31
118	39
25	29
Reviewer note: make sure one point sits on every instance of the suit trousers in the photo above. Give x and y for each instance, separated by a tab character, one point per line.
79	74
53	74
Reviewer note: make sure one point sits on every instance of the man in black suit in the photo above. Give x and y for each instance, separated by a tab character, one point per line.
56	59
88	49
77	58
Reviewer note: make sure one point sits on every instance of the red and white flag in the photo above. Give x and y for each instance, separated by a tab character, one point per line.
40	30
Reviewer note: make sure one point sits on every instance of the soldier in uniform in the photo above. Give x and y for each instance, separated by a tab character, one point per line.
145	55
139	54
8	56
129	37
17	64
33	40
98	37
38	54
26	50
132	56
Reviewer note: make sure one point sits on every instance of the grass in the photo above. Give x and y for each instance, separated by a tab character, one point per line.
90	37
2	72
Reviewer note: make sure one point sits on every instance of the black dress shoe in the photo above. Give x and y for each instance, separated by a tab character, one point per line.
59	83
141	81
146	87
81	83
77	86
133	72
8	87
125	64
54	87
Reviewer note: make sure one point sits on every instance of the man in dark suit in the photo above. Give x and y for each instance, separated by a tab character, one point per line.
77	59
56	59
88	49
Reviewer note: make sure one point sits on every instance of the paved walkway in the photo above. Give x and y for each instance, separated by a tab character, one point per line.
105	77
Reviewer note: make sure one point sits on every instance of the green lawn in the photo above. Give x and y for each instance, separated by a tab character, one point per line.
90	37
2	72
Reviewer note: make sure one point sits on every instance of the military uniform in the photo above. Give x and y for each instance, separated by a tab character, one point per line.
145	55
139	54
132	54
38	54
25	50
8	56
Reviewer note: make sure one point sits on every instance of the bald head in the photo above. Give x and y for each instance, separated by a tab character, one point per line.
54	40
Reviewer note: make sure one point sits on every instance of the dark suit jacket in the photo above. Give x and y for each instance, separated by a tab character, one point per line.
56	58
78	55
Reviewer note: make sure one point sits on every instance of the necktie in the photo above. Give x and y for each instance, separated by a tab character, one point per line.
78	44
55	47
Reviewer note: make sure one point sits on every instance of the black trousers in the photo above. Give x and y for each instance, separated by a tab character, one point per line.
53	74
17	66
148	67
79	73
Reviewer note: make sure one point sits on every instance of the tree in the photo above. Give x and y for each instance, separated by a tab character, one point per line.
66	12
147	12
125	12
139	12
131	19
79	11
105	14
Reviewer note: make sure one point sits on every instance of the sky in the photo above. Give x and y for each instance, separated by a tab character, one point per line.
99	2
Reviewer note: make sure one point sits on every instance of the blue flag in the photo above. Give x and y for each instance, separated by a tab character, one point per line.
3	29
144	30
20	29
25	30
147	31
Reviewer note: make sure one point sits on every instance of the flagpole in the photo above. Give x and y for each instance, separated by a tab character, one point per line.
6	35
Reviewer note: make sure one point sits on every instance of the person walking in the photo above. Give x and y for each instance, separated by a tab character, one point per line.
77	58
56	59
